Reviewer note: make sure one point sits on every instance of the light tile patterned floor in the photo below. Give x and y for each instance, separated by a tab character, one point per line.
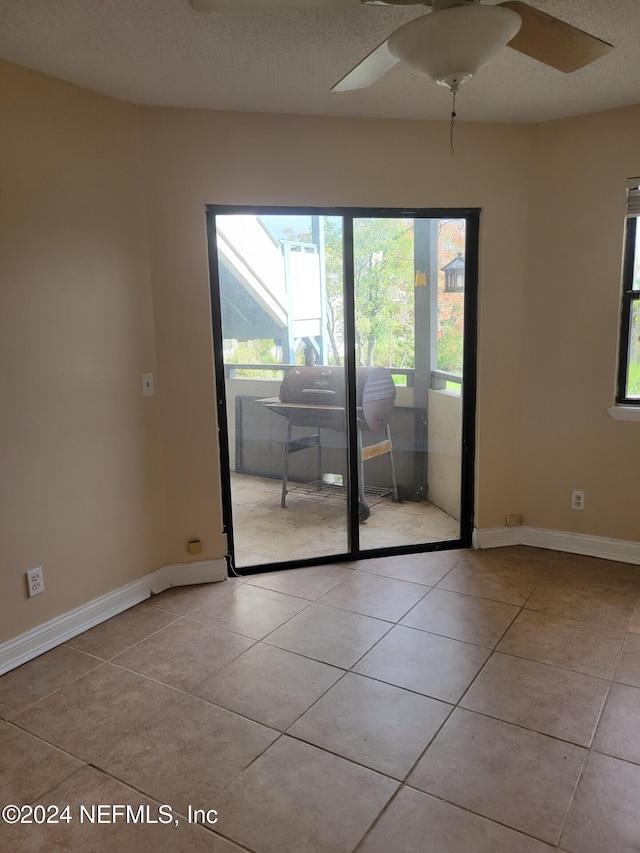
313	525
453	702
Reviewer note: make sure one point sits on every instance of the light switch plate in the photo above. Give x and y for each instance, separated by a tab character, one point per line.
147	384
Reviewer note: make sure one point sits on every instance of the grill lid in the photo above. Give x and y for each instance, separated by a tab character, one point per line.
325	386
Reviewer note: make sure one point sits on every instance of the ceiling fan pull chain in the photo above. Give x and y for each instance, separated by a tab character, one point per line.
453	120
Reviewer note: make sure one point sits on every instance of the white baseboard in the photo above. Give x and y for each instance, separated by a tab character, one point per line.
183	574
495	537
44	637
620	550
47	636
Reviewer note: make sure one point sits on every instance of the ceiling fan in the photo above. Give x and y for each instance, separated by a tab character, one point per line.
459	37
455	40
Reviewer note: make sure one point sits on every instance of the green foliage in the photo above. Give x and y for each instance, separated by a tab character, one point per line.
384	295
633	374
383	278
384	275
451	242
633	379
252	352
450	348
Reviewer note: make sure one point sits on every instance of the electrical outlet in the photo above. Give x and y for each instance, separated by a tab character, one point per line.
35	582
577	499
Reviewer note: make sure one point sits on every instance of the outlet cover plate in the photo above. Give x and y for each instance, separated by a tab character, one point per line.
577	499
35	582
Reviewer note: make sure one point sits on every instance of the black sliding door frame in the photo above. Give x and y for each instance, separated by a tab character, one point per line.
471	216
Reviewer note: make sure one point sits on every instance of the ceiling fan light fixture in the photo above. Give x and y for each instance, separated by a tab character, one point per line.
452	44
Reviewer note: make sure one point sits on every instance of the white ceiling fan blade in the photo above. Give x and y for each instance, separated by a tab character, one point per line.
552	41
372	67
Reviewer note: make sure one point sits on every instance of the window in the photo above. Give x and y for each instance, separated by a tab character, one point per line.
629	359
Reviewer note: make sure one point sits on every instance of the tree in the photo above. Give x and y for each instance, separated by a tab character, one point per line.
383	278
383	291
450	324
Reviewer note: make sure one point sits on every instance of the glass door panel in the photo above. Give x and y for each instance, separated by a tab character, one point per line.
281	309
409	291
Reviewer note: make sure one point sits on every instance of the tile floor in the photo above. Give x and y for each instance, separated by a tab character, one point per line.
452	702
314	524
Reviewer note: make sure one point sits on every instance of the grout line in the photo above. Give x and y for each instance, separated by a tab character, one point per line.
99	662
126	648
402	783
560	666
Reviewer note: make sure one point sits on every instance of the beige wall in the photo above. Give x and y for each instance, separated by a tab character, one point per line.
579	169
103	206
194	158
81	484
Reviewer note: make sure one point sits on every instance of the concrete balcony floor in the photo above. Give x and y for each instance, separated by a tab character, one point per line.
315	524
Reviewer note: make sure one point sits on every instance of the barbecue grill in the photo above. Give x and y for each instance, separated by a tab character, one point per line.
315	397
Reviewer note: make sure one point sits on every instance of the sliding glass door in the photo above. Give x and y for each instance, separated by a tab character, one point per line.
344	345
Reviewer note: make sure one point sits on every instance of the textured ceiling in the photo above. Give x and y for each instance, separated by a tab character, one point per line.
162	52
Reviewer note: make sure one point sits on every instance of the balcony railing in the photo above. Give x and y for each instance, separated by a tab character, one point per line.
440	379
